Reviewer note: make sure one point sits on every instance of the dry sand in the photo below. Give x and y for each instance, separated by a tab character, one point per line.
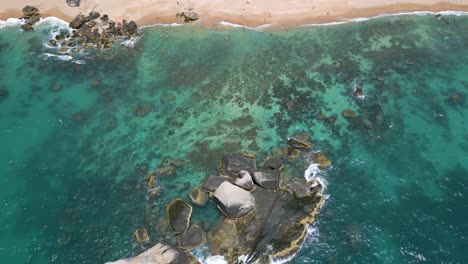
252	13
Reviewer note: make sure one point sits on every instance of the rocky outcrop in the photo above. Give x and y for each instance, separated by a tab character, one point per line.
232	164
192	238
273	163
233	201
199	197
245	181
322	160
178	216
160	254
188	16
77	22
31	16
73	3
212	182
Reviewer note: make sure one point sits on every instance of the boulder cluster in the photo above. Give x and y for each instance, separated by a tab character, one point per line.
266	209
31	16
94	31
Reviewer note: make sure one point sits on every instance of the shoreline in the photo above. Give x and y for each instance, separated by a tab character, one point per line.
258	17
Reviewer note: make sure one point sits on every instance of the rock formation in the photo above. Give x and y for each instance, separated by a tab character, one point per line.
178	216
199	197
31	16
232	164
245	181
73	3
191	238
160	254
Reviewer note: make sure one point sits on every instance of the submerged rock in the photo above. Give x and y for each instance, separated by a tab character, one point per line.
232	164
300	141
178	216
349	114
165	170
160	254
192	238
199	197
233	201
273	163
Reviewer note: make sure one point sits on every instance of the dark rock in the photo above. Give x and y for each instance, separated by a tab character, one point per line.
192	238
94	15
91	24
456	99
211	183
245	181
160	254
268	179
300	141
53	43
73	3
141	235
199	197
27	27
348	113
105	18
232	164
142	109
273	163
93	36
29	11
322	160
178	216
77	22
358	92
233	201
130	27
34	19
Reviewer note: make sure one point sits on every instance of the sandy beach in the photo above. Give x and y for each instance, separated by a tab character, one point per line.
250	13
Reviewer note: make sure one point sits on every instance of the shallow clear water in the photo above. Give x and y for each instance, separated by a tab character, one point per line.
73	162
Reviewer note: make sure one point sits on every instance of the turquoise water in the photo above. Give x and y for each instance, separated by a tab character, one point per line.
73	162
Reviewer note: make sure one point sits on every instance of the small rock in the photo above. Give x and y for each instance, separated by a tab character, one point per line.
322	160
27	27
348	114
94	15
300	141
199	197
192	15
141	235
164	171
73	3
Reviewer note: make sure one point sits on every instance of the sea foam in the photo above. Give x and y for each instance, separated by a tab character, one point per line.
362	19
11	22
228	24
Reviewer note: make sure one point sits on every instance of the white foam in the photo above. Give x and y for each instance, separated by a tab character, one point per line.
203	256
416	13
228	24
130	43
47	56
163	25
11	22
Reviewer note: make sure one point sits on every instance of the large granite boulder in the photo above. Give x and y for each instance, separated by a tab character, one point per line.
232	164
159	254
178	216
77	22
268	179
274	230
130	27
233	201
199	197
73	3
192	238
245	181
212	182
